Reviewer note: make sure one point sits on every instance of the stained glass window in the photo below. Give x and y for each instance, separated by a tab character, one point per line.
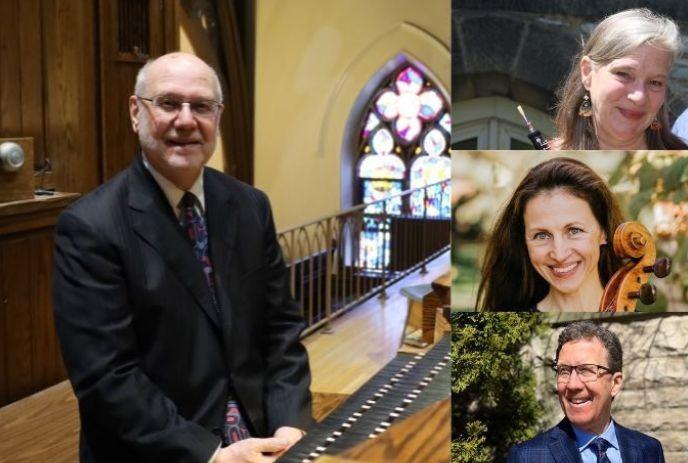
404	142
408	103
375	242
382	176
432	201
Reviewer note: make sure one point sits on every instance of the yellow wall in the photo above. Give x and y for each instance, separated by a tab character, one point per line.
313	60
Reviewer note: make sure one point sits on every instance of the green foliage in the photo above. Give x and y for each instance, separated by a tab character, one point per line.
647	176
662	177
676	174
493	392
639	201
472	447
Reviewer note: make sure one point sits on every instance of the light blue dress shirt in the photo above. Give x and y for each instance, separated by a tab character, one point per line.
680	127
584	438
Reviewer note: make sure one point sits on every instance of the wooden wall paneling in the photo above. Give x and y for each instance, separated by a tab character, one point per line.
31	81
72	135
30	358
170	22
119	64
10	75
48	368
4	327
21	95
116	84
18	324
39	212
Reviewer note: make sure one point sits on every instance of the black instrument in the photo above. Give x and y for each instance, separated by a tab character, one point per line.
534	134
406	385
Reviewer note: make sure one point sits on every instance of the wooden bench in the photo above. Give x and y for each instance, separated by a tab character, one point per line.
425	323
45	425
41	427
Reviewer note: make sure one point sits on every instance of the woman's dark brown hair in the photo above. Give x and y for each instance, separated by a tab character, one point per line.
509	281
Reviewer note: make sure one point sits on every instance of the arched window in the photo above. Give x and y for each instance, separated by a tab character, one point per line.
404	143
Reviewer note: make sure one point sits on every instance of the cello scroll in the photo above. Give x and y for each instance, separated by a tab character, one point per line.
634	242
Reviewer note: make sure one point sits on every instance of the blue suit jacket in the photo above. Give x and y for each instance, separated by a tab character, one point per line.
558	445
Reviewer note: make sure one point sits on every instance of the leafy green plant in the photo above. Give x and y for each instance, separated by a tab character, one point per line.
493	391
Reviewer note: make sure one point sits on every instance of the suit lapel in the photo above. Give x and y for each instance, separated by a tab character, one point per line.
154	221
222	222
563	445
626	445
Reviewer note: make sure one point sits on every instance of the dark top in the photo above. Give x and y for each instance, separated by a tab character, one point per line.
150	359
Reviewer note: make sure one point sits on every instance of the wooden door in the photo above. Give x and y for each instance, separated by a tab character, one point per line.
131	32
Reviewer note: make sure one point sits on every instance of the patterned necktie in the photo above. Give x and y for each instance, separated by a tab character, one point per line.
600	446
193	222
194	225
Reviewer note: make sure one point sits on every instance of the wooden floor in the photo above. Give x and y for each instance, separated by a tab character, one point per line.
44	427
364	339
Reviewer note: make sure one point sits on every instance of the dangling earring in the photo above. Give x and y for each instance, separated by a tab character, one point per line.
585	108
656	126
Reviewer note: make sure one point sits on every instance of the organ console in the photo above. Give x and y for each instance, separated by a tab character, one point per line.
402	389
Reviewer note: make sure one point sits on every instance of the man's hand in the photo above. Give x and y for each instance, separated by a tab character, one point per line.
293	435
252	450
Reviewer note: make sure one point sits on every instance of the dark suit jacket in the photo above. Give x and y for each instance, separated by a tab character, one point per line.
558	445
150	360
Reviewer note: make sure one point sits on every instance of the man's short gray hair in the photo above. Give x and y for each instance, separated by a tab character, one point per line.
141	80
587	330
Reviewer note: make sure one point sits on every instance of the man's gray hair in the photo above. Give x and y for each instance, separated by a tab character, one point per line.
141	80
587	330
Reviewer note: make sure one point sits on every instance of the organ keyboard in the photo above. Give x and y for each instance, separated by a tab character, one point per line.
406	385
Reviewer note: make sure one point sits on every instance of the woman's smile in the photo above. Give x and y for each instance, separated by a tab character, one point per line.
563	240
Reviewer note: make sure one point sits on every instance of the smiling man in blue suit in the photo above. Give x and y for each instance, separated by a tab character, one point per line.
588	368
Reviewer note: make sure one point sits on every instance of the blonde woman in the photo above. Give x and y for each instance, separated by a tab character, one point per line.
615	94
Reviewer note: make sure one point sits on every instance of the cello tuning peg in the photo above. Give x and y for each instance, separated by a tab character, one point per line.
647	294
661	267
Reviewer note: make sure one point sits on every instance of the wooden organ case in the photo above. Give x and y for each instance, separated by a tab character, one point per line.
31	358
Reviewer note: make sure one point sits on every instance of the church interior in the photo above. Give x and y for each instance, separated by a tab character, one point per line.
338	111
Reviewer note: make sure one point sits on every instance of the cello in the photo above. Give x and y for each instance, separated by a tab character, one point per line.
632	241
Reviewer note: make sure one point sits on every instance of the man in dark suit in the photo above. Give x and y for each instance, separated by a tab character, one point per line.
171	296
588	366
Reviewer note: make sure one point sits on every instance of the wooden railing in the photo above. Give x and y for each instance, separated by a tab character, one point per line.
336	262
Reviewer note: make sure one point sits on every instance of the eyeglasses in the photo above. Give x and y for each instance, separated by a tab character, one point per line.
172	105
587	372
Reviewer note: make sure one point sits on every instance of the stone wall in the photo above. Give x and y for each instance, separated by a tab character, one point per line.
654	397
523	49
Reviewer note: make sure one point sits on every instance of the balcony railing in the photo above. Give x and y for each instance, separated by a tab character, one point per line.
337	262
